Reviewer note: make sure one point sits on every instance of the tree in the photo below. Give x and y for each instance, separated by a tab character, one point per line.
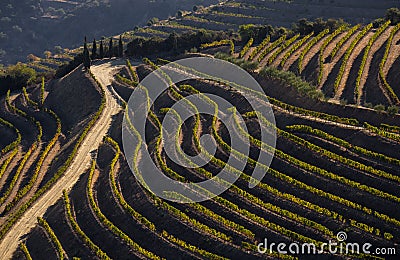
392	110
393	14
152	21
86	56
179	14
120	47
58	49
379	108
110	48
173	41
15	77
94	50
32	58
101	49
47	54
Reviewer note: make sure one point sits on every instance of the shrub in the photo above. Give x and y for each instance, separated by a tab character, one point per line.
379	108
392	110
15	77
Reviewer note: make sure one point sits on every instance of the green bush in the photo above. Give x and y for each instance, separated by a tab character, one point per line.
392	110
15	77
379	108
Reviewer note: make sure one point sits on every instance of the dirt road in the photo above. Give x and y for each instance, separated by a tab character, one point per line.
103	71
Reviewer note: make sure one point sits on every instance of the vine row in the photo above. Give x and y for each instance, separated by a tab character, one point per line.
259	47
343	143
379	31
382	77
282	48
308	48
105	221
271	47
295	47
246	48
75	226
343	40
321	58
49	231
220	43
346	57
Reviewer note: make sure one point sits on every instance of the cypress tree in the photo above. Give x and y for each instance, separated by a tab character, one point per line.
94	50
110	48
101	50
120	47
86	56
173	40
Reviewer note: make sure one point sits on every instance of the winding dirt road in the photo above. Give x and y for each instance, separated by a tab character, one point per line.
104	72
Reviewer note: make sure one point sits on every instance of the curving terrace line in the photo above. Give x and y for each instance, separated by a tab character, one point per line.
103	71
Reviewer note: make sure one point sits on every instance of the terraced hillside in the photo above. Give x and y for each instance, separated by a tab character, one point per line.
232	14
350	64
329	174
353	64
346	64
31	27
229	16
67	190
46	138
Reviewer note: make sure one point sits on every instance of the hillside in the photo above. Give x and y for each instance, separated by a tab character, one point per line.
317	122
291	204
33	27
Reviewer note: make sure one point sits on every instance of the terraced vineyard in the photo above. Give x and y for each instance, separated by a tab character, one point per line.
325	178
229	15
347	64
41	147
69	191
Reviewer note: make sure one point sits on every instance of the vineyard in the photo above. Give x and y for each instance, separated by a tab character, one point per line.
230	15
348	64
325	178
68	189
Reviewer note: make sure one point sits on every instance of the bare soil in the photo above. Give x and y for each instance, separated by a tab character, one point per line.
354	54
